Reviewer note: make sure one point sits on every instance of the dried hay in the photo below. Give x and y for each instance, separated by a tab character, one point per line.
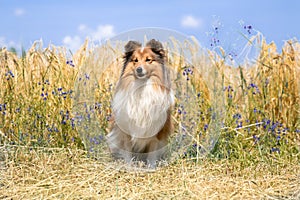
59	173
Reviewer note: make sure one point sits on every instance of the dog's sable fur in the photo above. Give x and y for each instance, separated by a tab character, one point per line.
141	123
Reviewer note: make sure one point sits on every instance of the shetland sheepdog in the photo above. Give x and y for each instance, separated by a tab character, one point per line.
141	106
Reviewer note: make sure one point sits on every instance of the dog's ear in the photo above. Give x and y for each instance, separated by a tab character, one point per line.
130	47
156	47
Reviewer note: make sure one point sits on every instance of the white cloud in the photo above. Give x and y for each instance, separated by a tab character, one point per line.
102	32
190	21
8	44
82	28
72	43
19	12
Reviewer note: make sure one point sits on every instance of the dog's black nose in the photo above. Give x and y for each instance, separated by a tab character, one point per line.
139	70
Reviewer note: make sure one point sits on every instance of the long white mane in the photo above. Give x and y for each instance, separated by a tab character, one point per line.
141	110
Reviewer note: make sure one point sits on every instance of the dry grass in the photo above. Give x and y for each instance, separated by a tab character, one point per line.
69	174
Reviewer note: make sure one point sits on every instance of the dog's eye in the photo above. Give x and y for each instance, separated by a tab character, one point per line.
135	60
148	60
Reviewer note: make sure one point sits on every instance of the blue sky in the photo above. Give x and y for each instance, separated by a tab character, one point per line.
68	23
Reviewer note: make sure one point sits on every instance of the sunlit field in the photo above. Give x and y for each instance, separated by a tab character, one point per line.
44	153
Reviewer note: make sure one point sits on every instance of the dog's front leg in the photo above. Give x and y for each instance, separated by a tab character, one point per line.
120	144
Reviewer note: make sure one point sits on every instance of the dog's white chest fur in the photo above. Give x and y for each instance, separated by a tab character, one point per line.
141	110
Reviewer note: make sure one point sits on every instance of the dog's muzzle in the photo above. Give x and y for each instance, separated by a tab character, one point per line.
140	72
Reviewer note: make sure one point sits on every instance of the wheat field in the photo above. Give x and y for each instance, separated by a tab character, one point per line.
48	151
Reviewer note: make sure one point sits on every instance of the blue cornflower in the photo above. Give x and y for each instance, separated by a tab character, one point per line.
278	137
216	29
44	95
9	74
239	124
248	29
255	110
73	123
237	116
273	126
70	62
56	130
254	86
256	139
275	149
186	72
230	89
205	127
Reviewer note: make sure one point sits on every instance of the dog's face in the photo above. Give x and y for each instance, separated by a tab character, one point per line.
143	62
